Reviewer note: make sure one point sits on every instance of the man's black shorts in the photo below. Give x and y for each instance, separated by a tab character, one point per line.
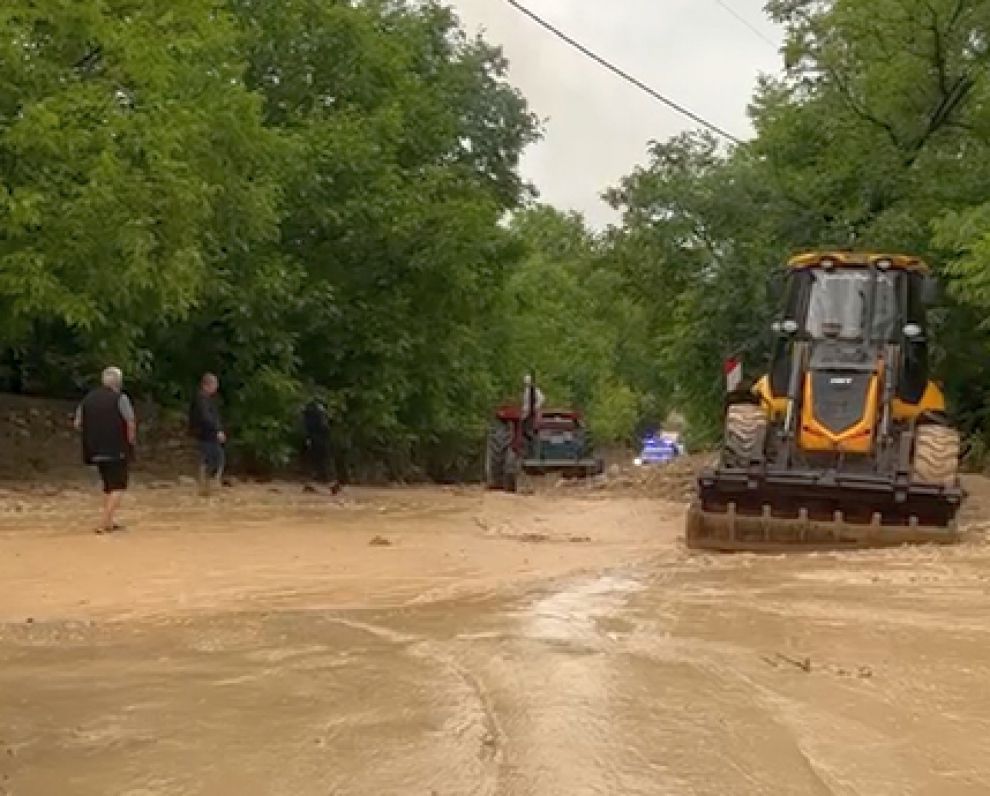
114	475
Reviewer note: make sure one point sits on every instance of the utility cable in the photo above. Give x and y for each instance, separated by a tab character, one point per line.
729	9
623	74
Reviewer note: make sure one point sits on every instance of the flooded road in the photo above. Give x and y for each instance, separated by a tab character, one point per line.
571	646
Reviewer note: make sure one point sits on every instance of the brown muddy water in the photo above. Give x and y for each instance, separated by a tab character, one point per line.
485	645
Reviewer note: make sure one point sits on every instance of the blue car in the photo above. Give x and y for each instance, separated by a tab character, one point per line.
659	449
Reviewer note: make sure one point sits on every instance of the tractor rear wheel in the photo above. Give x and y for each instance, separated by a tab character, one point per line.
936	455
745	426
497	451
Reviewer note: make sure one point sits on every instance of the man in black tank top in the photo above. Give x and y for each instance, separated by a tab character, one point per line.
109	431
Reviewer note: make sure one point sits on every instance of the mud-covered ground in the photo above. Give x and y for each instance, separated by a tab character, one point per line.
452	641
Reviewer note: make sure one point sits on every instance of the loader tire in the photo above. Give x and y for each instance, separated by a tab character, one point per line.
936	455
745	426
497	451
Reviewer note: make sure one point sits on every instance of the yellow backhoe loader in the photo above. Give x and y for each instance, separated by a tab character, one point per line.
844	443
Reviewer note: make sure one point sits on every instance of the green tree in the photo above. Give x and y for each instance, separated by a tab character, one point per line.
299	195
695	248
566	317
406	138
875	137
133	164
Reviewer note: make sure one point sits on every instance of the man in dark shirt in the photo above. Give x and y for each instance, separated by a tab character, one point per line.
206	426
109	432
316	423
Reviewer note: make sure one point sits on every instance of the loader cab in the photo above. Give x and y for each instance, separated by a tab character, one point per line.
871	303
850	351
846	309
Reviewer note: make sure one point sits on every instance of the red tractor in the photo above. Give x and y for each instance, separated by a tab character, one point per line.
556	441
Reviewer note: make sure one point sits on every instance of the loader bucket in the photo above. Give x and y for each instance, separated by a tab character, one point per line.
794	510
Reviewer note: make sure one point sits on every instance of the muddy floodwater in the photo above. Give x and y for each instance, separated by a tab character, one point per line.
432	641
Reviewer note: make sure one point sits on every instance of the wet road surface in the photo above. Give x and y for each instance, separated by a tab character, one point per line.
665	673
737	675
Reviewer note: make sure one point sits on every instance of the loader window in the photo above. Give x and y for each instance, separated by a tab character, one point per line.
886	309
840	303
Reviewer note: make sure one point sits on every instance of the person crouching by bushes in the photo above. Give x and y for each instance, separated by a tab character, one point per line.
206	426
109	433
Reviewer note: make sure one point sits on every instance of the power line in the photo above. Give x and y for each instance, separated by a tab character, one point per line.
725	6
624	75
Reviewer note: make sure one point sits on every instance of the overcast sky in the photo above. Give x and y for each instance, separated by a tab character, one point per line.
597	127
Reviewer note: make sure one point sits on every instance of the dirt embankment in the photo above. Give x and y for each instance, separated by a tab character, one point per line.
39	443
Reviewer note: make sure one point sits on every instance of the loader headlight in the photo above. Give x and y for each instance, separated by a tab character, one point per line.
638	462
884	265
911	331
789	326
